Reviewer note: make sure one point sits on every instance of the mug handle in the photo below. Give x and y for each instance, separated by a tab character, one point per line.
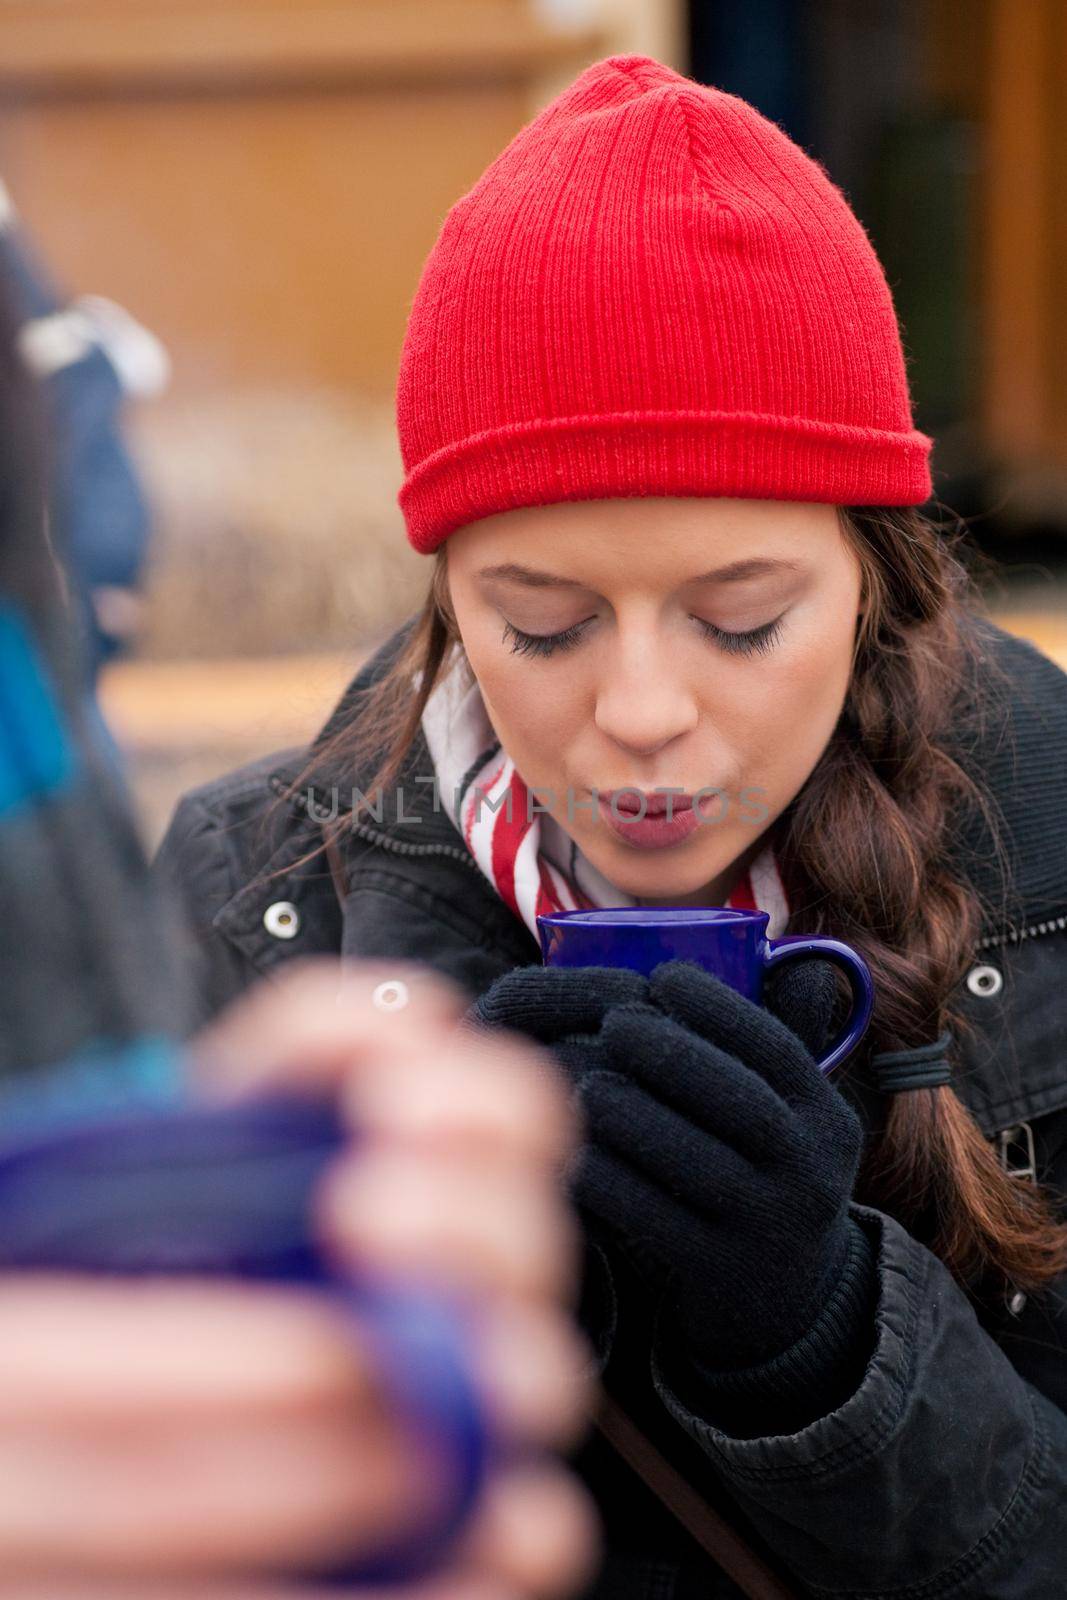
856	970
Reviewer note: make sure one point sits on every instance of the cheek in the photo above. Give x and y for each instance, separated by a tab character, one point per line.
533	715
790	722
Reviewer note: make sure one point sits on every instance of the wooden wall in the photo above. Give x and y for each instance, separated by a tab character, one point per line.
1026	244
260	180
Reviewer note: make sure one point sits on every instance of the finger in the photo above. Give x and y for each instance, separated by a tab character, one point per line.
715	1011
204	1477
548	1002
633	1208
281	1487
536	1532
575	1055
443	1586
803	994
286	1497
533	1368
696	1170
317	1025
446	1586
158	1348
708	1086
493	1100
490	1232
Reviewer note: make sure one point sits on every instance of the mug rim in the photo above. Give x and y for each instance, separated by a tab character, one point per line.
650	916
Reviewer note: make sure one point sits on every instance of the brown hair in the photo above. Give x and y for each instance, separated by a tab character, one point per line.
867	847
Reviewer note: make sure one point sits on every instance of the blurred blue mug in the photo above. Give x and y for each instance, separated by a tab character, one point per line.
730	944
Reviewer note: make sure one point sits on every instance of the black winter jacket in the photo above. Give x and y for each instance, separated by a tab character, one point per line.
945	1472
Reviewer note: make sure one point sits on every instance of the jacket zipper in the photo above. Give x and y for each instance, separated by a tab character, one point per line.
1053	925
385	841
453	851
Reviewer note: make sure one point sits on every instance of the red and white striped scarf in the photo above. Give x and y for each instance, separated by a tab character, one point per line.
531	861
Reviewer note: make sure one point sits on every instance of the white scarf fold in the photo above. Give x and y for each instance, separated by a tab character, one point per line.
531	861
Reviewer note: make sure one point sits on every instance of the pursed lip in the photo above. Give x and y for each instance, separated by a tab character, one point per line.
628	801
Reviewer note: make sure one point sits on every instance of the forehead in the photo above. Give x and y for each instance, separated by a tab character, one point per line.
651	539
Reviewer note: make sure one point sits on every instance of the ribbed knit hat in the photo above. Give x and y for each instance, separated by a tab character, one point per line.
651	291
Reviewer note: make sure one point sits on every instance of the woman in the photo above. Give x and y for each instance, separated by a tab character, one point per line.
656	431
176	1435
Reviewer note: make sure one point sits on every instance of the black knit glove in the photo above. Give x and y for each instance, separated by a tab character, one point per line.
552	1003
718	1150
720	1159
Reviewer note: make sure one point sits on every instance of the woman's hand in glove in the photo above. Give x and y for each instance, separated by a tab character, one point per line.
718	1157
725	1162
549	1003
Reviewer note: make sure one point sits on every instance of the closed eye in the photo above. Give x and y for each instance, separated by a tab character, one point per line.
541	644
754	641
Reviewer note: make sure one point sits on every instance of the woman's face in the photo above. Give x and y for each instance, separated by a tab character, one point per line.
657	643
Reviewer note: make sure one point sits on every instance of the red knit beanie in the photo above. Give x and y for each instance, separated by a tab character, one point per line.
651	291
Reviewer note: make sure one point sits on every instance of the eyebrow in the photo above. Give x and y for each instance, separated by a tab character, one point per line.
733	572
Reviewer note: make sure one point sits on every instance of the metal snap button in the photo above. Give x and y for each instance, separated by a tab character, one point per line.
282	919
985	982
1017	1303
392	995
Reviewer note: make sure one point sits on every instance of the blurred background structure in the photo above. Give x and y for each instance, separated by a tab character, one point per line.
258	183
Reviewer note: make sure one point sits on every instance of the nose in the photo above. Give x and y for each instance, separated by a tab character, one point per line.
642	702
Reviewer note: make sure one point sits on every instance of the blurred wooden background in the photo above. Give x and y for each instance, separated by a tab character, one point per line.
259	182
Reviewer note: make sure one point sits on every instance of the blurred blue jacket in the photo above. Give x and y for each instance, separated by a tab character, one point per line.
87	356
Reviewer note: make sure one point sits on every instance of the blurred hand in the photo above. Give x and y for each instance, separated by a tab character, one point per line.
170	1438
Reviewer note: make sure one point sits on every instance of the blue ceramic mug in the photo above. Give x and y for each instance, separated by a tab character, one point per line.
730	944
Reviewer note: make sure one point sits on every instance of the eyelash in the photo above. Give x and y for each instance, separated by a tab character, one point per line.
755	641
540	644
